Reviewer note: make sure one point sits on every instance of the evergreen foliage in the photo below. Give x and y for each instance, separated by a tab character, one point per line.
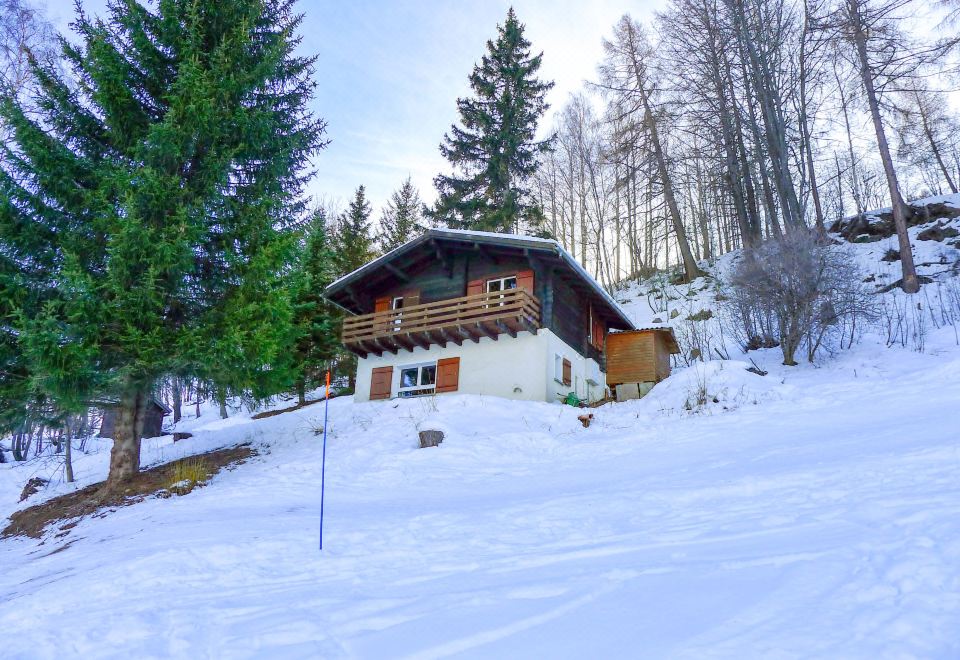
316	321
147	213
494	149
402	218
354	241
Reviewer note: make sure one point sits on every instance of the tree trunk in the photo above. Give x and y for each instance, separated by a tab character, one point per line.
128	427
911	284
805	132
68	452
223	407
857	197
177	395
301	392
690	267
936	149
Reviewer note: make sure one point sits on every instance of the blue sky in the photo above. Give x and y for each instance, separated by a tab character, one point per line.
389	74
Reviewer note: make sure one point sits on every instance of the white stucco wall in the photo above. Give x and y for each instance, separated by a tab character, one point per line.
520	367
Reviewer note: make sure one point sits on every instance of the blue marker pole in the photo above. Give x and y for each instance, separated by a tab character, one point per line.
323	465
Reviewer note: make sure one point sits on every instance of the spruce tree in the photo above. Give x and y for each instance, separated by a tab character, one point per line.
316	321
151	208
402	217
494	149
354	242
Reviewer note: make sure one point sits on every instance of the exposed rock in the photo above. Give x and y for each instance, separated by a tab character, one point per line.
899	284
181	435
938	232
586	419
430	438
32	486
866	228
702	315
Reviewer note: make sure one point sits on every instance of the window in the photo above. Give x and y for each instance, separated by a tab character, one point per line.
417	379
502	284
397	304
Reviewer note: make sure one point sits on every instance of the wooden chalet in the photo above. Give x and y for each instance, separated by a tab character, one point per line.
484	313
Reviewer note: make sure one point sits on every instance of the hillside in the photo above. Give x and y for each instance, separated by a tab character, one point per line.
814	511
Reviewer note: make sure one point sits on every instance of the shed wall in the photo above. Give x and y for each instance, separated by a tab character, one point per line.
631	358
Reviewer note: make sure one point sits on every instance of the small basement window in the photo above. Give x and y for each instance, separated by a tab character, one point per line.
417	379
558	368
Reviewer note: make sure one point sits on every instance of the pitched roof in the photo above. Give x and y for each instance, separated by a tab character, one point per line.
484	238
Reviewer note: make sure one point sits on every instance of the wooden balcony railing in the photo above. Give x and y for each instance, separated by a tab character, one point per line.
454	320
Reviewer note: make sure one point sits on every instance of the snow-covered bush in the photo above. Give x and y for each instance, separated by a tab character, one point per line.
799	292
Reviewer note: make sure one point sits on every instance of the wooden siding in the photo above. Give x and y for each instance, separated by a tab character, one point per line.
569	316
642	356
663	355
561	308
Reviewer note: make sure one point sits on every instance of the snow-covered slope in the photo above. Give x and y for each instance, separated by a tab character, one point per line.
812	512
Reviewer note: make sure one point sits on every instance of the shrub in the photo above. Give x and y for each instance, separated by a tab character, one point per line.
797	291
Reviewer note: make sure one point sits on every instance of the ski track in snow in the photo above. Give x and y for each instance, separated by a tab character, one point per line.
814	512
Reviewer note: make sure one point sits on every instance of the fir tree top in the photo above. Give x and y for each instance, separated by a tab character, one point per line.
354	244
402	217
495	149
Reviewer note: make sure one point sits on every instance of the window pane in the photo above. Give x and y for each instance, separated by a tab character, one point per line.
397	303
408	377
510	283
493	285
428	375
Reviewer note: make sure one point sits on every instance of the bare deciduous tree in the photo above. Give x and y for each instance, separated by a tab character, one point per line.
808	288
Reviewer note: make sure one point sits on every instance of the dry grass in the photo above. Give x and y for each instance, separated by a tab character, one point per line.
97	500
187	474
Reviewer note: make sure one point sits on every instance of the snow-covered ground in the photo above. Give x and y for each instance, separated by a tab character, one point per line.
812	512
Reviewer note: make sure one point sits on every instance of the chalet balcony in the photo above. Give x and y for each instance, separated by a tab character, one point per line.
455	320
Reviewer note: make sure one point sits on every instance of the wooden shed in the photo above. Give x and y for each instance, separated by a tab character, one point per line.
152	424
639	357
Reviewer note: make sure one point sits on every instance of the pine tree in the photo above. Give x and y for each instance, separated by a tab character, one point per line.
317	321
402	218
153	205
354	241
495	149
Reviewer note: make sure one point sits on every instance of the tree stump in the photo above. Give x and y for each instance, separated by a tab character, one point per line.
430	438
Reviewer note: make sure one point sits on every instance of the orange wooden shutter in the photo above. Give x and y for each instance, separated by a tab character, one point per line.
567	368
474	286
448	375
382	304
525	281
380	382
